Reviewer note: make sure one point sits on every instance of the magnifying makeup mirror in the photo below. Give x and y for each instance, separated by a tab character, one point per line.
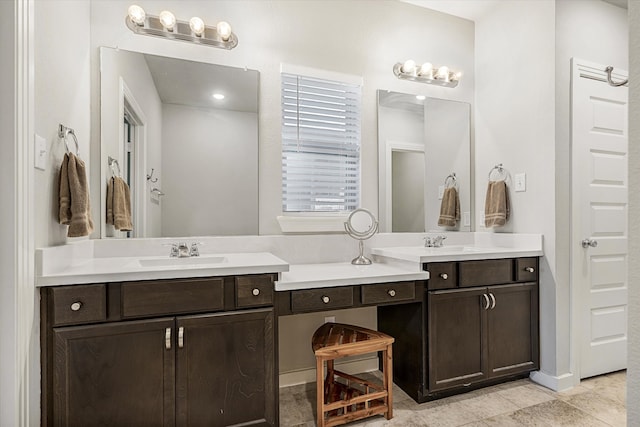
361	225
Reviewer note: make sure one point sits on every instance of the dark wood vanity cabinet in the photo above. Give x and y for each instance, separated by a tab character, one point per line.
144	354
484	327
478	325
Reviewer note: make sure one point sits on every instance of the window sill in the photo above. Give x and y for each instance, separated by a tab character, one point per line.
312	224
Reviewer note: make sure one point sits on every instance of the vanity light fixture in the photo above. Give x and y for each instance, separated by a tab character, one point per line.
166	25
426	73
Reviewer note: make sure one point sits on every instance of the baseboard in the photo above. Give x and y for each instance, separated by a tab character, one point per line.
305	376
555	383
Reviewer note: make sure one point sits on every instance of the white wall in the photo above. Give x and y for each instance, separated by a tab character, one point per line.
633	370
214	193
62	95
515	123
598	32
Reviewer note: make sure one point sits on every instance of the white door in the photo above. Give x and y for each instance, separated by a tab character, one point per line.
599	218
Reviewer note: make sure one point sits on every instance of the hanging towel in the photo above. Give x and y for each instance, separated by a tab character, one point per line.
449	208
74	201
119	204
496	204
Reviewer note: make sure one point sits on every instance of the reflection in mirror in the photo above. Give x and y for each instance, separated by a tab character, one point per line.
186	136
420	143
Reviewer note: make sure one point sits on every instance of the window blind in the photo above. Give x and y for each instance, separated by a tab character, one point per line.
320	144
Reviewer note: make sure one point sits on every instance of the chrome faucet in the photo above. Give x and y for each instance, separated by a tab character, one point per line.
434	241
182	250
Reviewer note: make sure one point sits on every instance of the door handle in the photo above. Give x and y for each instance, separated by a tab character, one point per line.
589	242
167	338
180	337
486	300
493	301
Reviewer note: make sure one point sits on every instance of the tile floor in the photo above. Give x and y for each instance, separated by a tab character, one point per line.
598	401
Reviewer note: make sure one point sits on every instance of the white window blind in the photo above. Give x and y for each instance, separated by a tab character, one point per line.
320	144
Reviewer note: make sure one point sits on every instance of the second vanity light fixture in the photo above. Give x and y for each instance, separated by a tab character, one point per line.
166	25
426	73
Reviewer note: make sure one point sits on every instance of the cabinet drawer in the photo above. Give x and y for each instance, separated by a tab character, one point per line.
148	298
485	272
253	291
442	275
79	304
526	269
388	292
321	299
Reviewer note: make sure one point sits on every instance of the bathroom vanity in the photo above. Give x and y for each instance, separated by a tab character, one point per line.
200	338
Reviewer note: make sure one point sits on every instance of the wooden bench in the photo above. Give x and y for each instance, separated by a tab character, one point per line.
342	398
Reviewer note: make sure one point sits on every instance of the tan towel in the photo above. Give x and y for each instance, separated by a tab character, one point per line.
449	208
496	204
119	204
74	200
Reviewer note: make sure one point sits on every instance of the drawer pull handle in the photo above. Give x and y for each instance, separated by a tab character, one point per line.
493	301
444	276
529	269
255	292
180	337
326	299
167	338
76	306
392	292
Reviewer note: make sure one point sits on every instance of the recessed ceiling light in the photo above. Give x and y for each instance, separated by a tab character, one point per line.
218	96
420	97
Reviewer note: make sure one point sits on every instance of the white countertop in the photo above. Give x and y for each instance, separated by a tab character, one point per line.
309	276
114	269
455	253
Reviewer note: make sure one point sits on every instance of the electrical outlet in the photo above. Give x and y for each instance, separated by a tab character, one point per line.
330	319
440	192
520	181
466	219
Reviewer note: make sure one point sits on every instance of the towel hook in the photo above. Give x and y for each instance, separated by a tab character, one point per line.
63	131
113	163
609	70
149	176
451	180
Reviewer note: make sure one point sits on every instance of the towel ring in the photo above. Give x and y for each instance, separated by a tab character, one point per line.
503	174
63	131
451	181
113	163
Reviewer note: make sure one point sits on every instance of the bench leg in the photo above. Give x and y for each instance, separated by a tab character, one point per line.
320	390
387	375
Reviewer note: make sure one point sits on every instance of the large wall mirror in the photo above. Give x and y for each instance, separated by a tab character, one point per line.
185	138
422	142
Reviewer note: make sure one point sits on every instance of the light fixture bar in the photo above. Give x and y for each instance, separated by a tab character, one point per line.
436	77
152	26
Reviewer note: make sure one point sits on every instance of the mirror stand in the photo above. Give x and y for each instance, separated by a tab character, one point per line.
361	225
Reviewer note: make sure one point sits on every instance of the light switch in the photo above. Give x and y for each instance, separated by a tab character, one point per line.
40	156
440	192
520	182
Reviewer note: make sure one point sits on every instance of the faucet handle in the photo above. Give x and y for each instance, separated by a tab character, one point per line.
194	249
174	250
428	242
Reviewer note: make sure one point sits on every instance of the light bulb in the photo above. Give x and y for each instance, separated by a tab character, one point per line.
136	14
218	96
443	73
197	26
224	29
426	70
409	66
421	97
457	76
167	19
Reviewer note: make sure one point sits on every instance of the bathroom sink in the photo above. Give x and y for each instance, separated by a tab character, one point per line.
169	262
454	249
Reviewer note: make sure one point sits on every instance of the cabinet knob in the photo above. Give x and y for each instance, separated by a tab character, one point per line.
444	276
326	299
529	269
391	292
255	292
76	306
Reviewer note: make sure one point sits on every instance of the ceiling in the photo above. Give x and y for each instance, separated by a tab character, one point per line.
474	9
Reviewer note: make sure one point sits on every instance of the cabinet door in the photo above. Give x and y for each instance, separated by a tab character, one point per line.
225	370
457	328
513	329
116	374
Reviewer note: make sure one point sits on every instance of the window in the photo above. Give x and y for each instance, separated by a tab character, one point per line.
320	144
